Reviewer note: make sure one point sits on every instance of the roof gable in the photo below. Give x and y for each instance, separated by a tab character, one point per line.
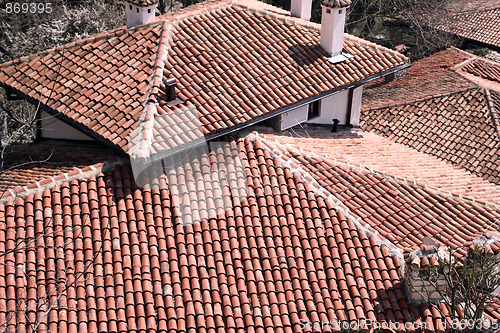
99	84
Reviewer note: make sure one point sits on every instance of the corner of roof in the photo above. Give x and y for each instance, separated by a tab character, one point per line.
275	148
108	34
22	192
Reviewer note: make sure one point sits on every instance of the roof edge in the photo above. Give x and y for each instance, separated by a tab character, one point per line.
47	183
418	100
108	34
275	113
494	114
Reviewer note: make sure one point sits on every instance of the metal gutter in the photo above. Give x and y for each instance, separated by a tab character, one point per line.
99	138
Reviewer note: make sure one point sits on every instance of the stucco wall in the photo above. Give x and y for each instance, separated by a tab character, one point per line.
333	107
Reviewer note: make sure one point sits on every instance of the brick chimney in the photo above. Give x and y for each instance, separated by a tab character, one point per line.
422	262
332	25
140	12
301	8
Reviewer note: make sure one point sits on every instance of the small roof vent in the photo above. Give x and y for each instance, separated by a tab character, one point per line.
170	84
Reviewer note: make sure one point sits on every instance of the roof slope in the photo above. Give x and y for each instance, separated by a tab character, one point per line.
122	260
430	76
98	84
459	126
479	24
366	149
401	211
233	62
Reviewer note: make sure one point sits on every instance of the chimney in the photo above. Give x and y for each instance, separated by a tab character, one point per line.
140	12
422	265
301	8
332	25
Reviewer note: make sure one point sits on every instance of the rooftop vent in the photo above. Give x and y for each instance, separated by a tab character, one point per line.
170	84
140	12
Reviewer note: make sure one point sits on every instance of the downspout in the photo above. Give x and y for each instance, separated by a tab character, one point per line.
349	106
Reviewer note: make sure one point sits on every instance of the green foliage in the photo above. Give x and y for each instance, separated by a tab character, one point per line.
481	51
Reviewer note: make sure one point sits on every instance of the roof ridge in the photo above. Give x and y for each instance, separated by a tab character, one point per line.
49	182
493	113
108	34
399	180
323	192
423	99
142	140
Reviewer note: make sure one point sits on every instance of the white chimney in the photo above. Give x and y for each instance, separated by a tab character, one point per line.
332	25
422	282
301	8
140	12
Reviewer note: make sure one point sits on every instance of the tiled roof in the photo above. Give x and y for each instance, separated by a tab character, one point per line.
399	209
123	262
99	84
431	76
336	3
25	164
459	126
142	3
481	25
357	147
486	70
233	62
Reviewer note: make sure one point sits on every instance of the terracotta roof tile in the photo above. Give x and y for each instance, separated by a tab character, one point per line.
486	70
281	256
399	209
431	76
373	151
479	23
142	3
233	63
336	3
449	117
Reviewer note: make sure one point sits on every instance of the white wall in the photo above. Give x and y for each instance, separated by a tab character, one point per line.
332	29
357	95
290	118
301	8
139	15
53	128
333	107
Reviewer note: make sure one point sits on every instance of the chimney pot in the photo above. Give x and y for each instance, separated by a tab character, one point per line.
140	12
332	25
